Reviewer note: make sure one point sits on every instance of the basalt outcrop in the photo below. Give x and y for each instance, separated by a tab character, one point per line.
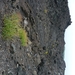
47	21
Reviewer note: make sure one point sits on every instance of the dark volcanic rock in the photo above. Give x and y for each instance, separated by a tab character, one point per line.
47	21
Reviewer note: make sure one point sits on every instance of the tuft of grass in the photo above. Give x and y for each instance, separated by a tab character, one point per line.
10	26
13	29
23	37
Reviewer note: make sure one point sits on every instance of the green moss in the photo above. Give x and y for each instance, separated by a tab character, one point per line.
13	29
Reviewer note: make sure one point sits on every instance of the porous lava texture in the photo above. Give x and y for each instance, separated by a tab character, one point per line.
47	21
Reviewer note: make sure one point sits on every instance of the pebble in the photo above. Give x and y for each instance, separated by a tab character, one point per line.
58	73
38	59
28	28
21	59
34	72
25	22
17	65
29	42
28	54
13	46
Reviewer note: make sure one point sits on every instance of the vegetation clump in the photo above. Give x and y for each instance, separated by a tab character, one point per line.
45	11
13	29
23	37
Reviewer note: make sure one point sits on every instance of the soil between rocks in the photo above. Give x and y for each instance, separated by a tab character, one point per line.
47	21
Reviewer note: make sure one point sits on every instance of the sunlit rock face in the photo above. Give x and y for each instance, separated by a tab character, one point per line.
47	21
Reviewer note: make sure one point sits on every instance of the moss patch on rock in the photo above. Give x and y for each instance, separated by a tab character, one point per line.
12	28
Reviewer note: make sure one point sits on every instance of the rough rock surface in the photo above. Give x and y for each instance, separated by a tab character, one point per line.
48	20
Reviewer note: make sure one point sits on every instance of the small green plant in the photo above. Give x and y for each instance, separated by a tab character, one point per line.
46	52
10	26
45	11
13	29
23	37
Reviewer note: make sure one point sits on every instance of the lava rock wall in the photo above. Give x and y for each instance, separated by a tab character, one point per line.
47	21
